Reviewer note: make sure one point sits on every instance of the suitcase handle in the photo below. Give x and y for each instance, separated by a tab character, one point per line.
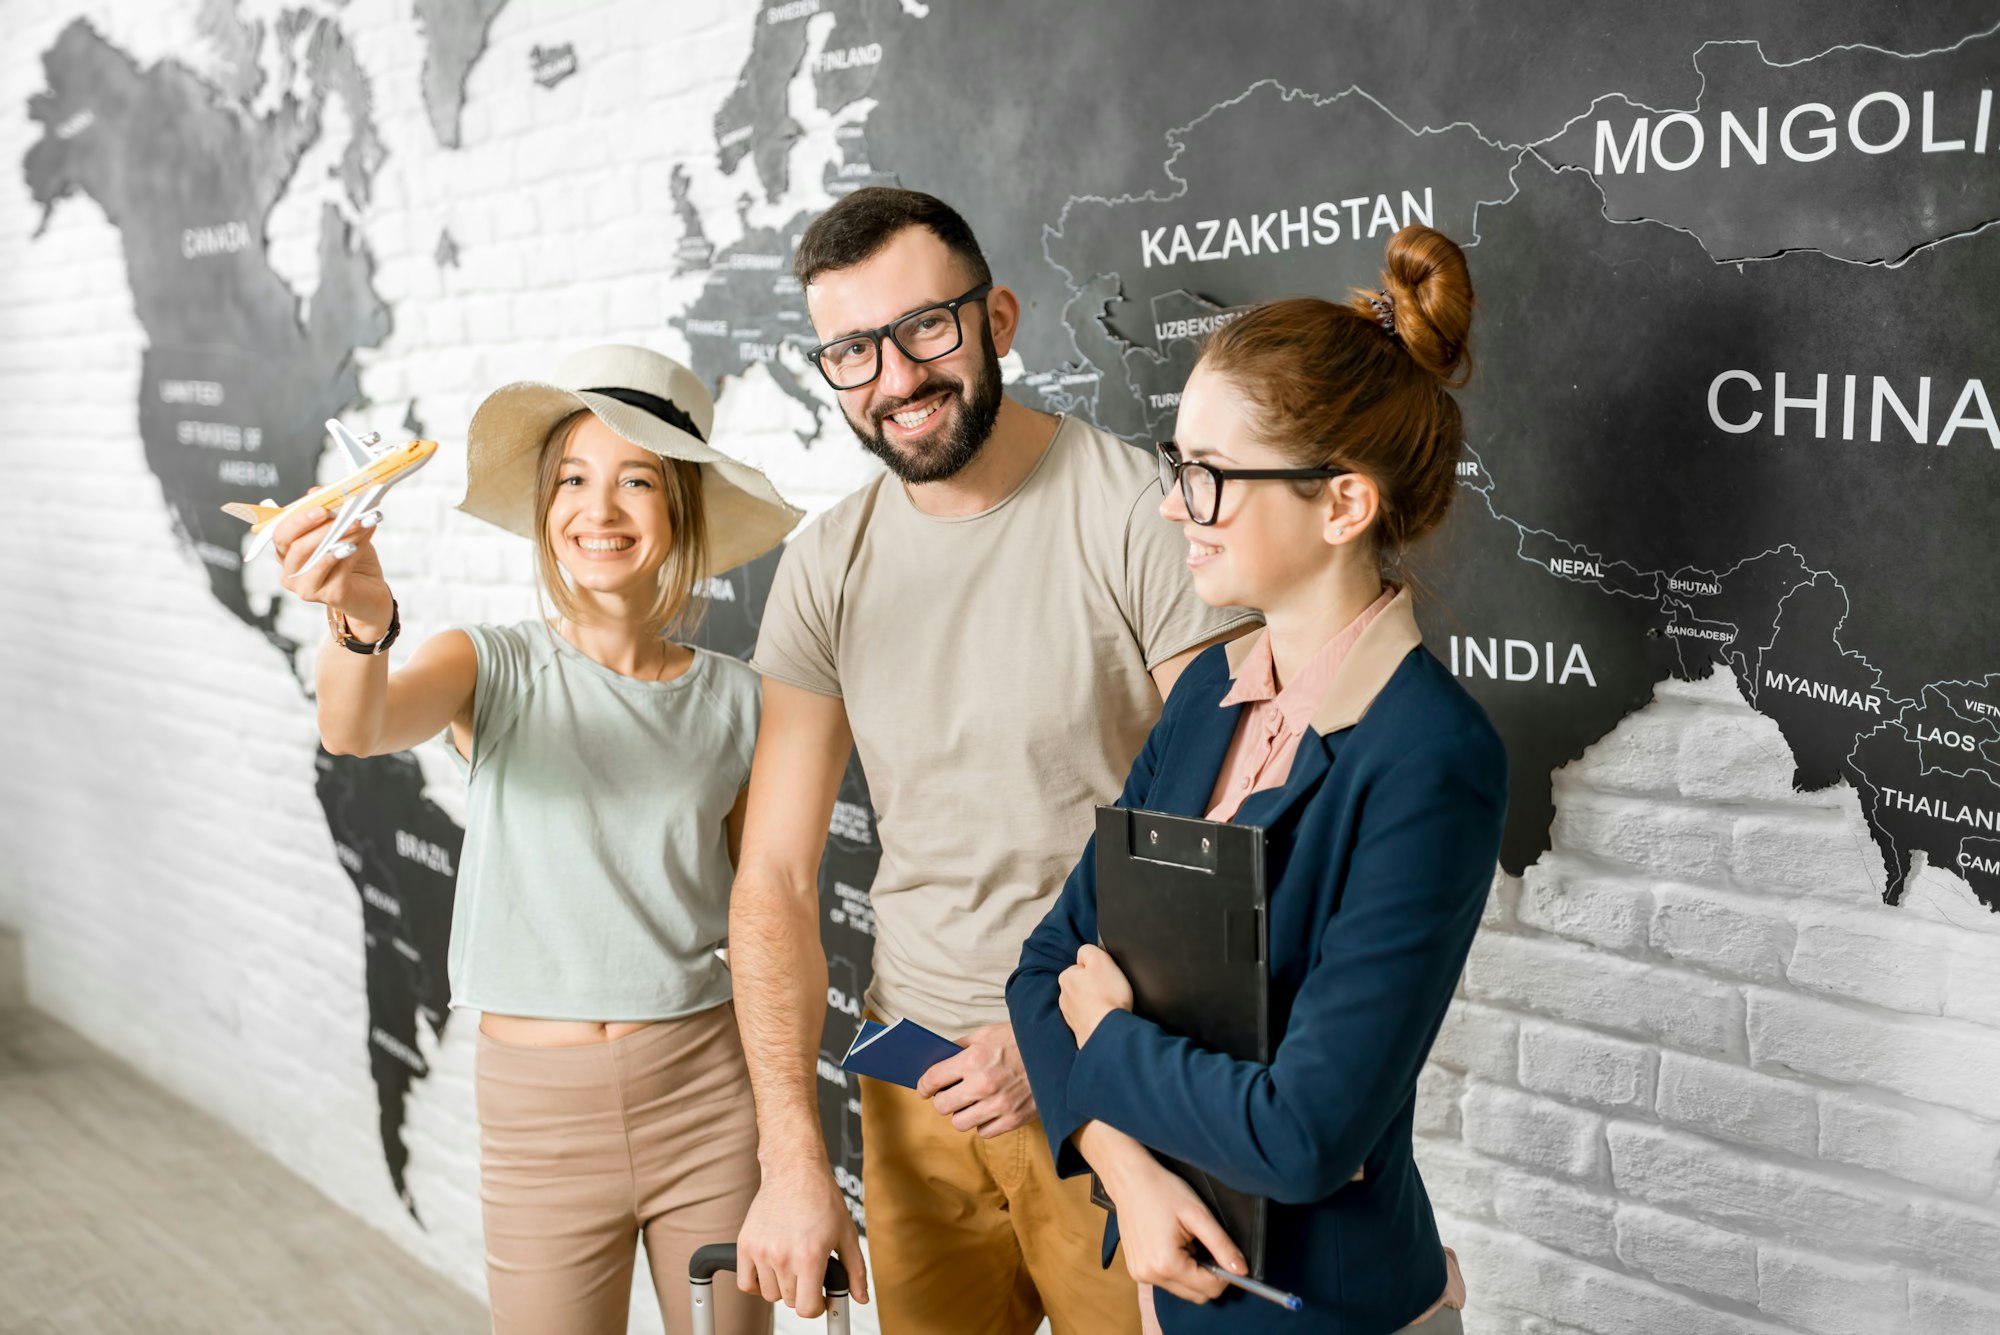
706	1261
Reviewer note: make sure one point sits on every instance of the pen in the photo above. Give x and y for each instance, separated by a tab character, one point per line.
1289	1301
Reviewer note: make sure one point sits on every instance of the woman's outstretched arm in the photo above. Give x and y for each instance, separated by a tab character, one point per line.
364	709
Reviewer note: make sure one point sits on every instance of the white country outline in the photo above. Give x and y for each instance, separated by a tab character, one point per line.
1952	708
1157	358
1747	676
1174	138
1748	671
1666	598
1694	59
1969	841
1681	613
1878	829
1601	581
1063	401
1778	622
1176	143
1523	532
1757	44
1669	604
1974	760
1904	853
1987	682
1860	776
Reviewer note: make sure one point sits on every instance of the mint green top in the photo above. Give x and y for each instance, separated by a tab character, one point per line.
594	882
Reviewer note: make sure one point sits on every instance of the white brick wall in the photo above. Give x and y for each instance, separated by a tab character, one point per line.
1699	1080
161	848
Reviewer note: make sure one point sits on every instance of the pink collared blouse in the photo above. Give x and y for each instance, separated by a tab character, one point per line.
1268	733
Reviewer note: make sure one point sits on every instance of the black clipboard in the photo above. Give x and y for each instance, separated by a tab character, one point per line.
1181	908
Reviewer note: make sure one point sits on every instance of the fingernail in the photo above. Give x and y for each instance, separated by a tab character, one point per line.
343	551
371	519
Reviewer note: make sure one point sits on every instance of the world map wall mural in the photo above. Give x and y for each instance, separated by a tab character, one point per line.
1733	293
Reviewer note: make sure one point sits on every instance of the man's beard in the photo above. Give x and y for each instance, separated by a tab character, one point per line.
958	444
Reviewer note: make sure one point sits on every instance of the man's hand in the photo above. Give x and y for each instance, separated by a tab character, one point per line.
1159	1217
1092	988
985	1087
798	1220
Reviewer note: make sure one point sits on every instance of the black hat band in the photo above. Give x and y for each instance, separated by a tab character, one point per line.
664	409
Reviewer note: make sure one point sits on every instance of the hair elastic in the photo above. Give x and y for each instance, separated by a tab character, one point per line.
1384	307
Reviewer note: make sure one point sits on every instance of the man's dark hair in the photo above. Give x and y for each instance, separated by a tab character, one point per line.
859	226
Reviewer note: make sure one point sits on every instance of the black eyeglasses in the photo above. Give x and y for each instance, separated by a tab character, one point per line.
1201	484
852	360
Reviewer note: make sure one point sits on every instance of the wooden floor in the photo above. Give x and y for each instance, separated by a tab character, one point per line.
123	1209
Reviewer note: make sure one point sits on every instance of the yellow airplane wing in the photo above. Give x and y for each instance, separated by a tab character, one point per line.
256	516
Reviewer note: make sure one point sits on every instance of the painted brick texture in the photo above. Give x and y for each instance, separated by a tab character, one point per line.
1703	1078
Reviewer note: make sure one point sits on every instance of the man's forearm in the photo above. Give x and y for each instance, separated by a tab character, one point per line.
780	977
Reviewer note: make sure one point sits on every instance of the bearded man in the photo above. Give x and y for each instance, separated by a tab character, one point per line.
993	622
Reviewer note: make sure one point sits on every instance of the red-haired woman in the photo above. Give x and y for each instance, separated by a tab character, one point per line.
1317	441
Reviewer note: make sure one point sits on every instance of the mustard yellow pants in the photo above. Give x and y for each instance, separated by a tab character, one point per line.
980	1237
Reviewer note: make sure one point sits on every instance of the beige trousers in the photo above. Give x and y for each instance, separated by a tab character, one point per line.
584	1151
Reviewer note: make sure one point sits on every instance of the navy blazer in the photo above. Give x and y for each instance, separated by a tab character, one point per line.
1381	848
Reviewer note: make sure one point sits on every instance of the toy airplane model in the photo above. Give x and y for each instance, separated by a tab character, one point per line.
375	471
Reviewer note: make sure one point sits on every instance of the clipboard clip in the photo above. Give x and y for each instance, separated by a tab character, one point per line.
1176	843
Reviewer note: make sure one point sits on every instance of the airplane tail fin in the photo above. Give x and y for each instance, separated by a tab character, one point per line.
256	516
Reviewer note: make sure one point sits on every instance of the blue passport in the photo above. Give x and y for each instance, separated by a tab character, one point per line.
899	1053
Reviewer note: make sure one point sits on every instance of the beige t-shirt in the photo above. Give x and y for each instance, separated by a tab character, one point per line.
994	669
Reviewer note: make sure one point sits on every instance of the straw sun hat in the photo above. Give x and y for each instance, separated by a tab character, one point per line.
650	400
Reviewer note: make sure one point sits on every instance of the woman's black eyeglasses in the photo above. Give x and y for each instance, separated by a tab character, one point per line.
1201	484
852	360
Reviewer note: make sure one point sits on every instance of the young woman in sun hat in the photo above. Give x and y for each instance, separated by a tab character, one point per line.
606	767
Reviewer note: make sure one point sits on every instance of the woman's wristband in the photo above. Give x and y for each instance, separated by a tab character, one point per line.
343	634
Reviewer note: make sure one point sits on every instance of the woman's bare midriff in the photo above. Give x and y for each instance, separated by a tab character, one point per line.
524	1032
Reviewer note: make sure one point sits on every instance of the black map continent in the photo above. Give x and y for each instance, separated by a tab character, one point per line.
1862	153
735	608
401	851
455	33
234	388
1610	532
